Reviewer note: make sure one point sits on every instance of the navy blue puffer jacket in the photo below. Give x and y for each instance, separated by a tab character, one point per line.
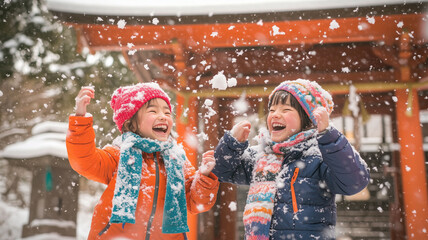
328	165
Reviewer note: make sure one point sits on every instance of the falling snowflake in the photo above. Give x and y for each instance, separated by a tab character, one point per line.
232	206
241	105
121	23
334	25
275	31
371	20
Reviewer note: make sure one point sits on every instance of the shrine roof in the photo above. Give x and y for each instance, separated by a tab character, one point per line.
191	7
190	12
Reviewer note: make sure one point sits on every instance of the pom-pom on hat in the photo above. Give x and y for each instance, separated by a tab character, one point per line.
126	101
309	94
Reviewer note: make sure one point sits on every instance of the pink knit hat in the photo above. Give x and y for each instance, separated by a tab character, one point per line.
309	94
126	101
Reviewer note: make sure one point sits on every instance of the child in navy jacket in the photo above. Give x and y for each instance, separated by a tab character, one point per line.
296	169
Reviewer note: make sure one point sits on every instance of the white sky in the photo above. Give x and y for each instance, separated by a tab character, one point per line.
204	7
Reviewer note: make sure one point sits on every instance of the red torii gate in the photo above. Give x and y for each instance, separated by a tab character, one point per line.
387	42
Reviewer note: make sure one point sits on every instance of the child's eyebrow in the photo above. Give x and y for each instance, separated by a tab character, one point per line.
155	105
151	105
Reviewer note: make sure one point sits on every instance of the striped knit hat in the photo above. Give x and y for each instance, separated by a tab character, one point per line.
309	94
126	101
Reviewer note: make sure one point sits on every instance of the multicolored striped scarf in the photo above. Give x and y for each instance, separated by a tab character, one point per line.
261	195
129	177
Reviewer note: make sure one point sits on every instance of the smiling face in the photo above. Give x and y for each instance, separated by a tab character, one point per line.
283	121
155	120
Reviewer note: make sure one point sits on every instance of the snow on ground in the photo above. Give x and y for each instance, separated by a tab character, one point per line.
13	218
11	221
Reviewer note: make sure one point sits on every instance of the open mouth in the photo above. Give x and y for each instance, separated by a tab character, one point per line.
278	127
161	128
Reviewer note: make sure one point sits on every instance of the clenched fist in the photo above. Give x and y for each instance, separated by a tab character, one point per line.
322	118
83	99
241	131
208	163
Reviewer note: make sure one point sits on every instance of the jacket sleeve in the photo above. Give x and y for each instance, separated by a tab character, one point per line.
91	162
346	172
201	190
234	161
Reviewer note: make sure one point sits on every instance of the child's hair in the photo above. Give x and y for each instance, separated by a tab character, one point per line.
281	97
308	95
131	125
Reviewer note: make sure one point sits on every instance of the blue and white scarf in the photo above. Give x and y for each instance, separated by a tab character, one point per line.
129	177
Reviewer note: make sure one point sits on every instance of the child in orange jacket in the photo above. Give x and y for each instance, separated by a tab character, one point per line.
150	183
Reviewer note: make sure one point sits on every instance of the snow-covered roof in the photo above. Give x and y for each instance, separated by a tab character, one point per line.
48	140
206	7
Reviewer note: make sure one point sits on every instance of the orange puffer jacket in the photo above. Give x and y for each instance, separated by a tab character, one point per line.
101	165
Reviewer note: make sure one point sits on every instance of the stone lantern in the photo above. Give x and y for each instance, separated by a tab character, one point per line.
54	187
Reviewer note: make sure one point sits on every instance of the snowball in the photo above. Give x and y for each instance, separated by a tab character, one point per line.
231	82
219	81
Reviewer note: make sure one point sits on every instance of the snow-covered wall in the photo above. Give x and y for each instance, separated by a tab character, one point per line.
48	140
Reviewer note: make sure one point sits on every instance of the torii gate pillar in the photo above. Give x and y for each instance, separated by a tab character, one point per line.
412	164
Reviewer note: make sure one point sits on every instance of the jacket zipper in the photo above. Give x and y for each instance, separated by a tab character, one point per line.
155	199
293	194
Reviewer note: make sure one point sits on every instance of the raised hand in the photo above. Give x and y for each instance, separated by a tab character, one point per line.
322	118
208	163
83	99
241	131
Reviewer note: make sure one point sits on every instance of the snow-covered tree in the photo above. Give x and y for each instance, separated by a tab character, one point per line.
42	72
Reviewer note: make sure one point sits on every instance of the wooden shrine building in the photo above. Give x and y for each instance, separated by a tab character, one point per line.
380	48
